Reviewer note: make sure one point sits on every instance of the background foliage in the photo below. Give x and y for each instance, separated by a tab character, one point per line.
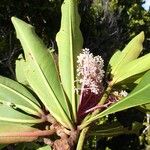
106	25
109	24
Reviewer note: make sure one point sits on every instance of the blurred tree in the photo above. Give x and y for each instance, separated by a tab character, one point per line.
106	25
109	24
43	14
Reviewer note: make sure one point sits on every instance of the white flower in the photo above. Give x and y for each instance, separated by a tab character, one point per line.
123	93
120	94
90	71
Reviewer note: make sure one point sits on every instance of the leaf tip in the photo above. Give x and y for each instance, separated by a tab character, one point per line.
142	36
14	20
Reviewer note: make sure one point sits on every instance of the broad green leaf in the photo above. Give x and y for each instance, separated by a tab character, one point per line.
10	114
16	94
131	82
41	72
20	76
139	96
132	68
69	42
129	53
114	59
135	79
11	133
47	96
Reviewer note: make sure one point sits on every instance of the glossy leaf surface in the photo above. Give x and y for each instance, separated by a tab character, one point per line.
132	68
13	93
114	59
10	114
129	53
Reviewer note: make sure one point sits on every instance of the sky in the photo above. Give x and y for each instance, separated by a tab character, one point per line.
147	4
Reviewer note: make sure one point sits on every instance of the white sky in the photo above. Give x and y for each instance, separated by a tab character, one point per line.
147	4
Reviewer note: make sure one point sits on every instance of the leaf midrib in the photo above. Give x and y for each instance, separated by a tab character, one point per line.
72	68
21	95
24	108
45	80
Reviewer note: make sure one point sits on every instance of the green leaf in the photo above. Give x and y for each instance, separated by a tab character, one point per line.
132	68
20	76
10	113
41	73
131	82
114	59
69	41
139	96
135	79
11	133
15	94
129	53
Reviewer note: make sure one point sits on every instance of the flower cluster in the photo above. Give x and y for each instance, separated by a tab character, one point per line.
120	94
90	71
115	96
90	74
